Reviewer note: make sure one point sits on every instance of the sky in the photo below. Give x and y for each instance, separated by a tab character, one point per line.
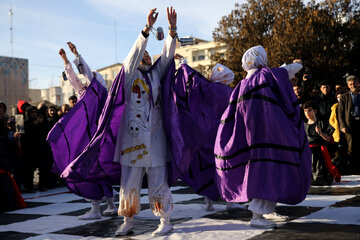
42	27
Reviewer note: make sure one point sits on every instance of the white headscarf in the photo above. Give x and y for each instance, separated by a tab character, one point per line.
254	58
221	74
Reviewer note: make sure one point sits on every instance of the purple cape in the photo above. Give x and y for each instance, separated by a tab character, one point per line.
73	132
192	111
95	163
261	149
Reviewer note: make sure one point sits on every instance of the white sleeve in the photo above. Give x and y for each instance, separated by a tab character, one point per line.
292	69
167	54
73	78
87	72
136	54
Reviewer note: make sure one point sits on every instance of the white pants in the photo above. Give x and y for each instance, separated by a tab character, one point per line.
160	199
261	206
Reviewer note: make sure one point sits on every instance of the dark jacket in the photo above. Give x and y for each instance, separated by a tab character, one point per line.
345	110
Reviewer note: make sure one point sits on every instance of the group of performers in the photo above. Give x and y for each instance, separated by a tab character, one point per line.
238	145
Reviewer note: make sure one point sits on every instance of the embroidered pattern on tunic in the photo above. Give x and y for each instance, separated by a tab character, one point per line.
133	149
139	156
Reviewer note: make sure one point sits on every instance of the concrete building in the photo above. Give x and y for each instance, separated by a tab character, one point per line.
35	95
14	80
110	72
197	53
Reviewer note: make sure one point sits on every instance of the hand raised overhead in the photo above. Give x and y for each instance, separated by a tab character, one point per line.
73	48
63	56
171	15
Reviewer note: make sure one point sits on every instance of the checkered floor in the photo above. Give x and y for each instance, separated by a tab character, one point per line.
327	213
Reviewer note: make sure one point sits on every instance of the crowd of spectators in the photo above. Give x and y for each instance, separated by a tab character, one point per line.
337	115
23	149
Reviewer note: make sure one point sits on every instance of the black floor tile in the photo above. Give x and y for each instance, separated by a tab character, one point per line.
15	235
108	227
8	218
316	231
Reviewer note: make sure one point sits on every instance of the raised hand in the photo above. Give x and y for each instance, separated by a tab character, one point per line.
63	56
171	15
151	18
73	48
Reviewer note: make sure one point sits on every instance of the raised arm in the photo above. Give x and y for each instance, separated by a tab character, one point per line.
293	68
80	63
137	51
168	51
71	75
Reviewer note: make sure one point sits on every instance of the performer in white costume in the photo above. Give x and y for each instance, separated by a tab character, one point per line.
79	87
141	145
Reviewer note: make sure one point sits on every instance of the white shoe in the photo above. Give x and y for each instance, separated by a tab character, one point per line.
275	216
124	229
90	215
110	212
163	229
208	204
230	206
261	223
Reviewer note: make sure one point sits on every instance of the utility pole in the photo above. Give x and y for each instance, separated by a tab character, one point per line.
11	32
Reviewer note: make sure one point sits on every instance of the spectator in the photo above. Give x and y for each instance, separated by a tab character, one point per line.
349	121
15	150
64	109
319	136
32	146
72	100
325	101
10	197
339	88
52	116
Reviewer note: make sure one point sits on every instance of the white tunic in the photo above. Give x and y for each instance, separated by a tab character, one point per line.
141	139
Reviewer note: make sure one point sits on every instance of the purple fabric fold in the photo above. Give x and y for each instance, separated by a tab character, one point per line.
261	149
73	132
95	163
193	107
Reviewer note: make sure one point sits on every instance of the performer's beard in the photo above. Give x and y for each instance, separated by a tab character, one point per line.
143	67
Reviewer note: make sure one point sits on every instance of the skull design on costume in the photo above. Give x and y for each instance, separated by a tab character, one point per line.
139	93
133	128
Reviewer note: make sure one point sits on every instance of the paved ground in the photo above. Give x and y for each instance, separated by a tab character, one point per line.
327	213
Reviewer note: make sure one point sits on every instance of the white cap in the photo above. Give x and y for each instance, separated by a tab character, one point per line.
254	57
221	74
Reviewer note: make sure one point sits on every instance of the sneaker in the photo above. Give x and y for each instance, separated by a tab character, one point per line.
275	216
261	223
163	229
230	206
110	212
90	215
124	229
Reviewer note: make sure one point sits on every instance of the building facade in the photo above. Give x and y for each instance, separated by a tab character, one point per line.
14	80
110	72
198	53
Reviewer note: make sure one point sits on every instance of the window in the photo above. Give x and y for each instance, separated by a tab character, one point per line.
201	57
